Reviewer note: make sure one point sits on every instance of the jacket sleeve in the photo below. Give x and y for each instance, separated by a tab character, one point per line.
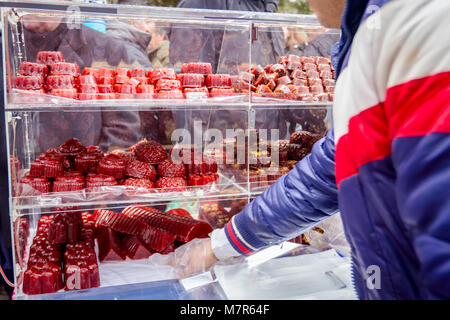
297	201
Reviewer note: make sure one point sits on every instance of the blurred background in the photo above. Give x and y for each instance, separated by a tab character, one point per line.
286	6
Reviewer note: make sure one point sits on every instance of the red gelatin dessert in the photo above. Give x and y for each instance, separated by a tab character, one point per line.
65	93
53	167
321	60
40	184
122	72
309	66
60	82
42	278
65	68
126	156
105	88
110	246
106	80
192	80
106	96
32	69
80	267
326	75
106	72
316	89
218	81
173	94
196	93
139	183
91	71
165	73
66	184
171	184
324	67
278	69
87	96
195	180
197	67
121	79
64	227
100	180
88	88
180	212
151	152
49	57
135	249
151	237
168	85
145	88
125	89
140	73
185	229
168	168
294	66
220	92
314	82
139	169
284	80
328	82
308	60
29	82
112	165
71	148
86	80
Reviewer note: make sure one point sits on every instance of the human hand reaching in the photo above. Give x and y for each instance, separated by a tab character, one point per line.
191	258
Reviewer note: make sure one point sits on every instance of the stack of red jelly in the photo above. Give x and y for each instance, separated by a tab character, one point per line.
68	235
146	165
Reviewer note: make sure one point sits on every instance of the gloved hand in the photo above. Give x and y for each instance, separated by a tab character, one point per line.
191	258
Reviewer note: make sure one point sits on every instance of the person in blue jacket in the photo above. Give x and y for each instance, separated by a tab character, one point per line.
385	164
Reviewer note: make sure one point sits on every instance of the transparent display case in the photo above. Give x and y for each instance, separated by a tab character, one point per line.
180	112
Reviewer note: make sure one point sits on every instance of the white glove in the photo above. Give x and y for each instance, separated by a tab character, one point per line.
191	258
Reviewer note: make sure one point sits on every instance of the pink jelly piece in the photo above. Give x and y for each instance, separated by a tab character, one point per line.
65	68
168	84
32	69
192	80
185	229
60	82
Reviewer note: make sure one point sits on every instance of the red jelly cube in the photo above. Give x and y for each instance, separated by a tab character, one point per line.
299	82
49	57
196	93
106	73
32	69
86	80
173	94
298	74
138	73
324	67
100	180
88	88
90	71
135	248
65	184
65	68
309	66
31	283
195	180
218	81
326	75
122	72
321	60
105	88
29	82
60	82
133	81
314	82
316	89
106	80
112	165
106	96
294	66
87	96
197	67
192	80
125	88
312	74
145	88
65	93
329	89
284	80
121	79
328	82
168	85
308	60
165	73
219	92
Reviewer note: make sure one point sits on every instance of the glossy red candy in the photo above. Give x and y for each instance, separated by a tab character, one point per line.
88	88
121	79
312	74
106	72
106	80
152	238
66	184
326	75
192	80
65	68
299	74
314	82
294	66
71	148
87	96
112	165
220	92
60	82
139	183
309	66
197	67
32	69
53	167
171	184
139	169
284	80
328	82
125	89
105	88
145	88
168	85
65	93
324	67
29	82
135	249
49	57
196	93
316	89
109	246
218	81
106	96
185	229
42	278
122	72
150	152
308	60
100	180
329	89
86	80
165	73
172	94
140	73
91	71
321	60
